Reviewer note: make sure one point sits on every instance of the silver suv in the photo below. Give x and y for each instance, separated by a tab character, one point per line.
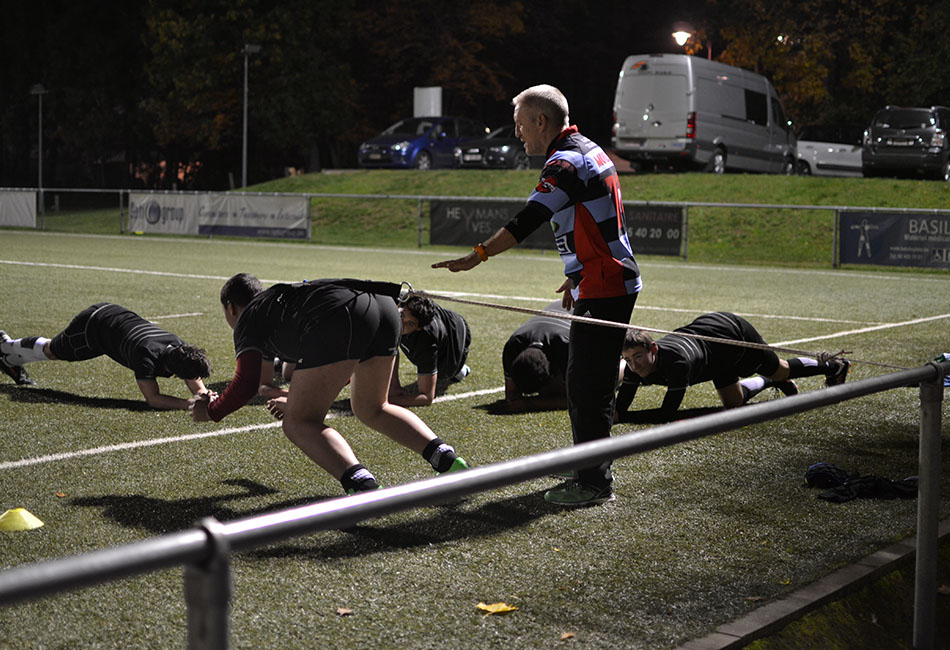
908	141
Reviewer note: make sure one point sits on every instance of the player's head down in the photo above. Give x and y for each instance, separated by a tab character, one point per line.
531	370
187	362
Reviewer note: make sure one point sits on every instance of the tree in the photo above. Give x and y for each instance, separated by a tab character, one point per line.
848	59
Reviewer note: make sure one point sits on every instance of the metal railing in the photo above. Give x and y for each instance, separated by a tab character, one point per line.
421	199
205	551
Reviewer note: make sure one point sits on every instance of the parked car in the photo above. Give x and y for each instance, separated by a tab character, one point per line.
830	150
501	149
420	142
687	112
908	141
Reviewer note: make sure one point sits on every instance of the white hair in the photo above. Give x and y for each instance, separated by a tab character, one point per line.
546	100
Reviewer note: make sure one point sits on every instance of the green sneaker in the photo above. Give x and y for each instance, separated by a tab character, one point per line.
355	491
574	493
457	466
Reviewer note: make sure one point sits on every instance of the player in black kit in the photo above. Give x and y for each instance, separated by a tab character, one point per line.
534	360
125	337
337	332
436	341
679	361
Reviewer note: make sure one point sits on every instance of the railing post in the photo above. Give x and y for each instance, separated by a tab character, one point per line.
420	222
208	592
685	232
928	512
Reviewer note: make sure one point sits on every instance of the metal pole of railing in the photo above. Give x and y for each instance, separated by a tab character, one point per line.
928	514
208	591
834	240
685	232
121	228
420	222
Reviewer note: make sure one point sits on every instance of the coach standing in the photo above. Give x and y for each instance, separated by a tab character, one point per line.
579	194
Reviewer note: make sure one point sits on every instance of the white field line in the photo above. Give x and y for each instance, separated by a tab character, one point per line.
460	294
554	259
167	316
864	329
95	451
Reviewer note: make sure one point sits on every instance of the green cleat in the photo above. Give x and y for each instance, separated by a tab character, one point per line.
457	466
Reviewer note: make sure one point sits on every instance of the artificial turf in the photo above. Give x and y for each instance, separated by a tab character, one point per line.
700	533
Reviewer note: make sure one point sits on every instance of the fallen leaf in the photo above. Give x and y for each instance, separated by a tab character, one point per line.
496	608
787	581
567	635
754	599
343	611
60	494
943	590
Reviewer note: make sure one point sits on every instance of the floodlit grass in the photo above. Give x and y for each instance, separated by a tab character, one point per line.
700	533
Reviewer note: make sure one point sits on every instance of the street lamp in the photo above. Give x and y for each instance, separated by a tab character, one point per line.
39	91
683	32
249	49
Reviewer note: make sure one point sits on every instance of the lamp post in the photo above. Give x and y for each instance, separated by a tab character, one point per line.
39	91
249	49
683	32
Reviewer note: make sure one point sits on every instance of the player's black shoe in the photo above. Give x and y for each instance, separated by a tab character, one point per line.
17	373
787	387
839	372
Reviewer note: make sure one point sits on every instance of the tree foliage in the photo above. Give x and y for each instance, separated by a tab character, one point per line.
841	60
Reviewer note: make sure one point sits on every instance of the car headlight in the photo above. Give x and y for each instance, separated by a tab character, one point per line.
939	137
400	147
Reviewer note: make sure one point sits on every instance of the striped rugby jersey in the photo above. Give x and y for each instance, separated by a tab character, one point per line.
580	192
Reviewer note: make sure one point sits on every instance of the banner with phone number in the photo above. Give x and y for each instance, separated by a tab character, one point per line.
653	230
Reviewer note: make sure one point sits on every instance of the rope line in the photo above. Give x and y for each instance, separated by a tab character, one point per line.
820	356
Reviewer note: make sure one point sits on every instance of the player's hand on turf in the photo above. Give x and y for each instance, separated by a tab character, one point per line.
470	261
198	407
567	299
277	406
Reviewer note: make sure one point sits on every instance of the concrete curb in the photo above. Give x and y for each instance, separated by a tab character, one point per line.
772	617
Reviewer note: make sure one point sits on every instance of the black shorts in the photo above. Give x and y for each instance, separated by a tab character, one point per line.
749	361
368	326
72	344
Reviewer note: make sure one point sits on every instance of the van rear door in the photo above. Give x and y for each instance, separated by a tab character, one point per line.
651	103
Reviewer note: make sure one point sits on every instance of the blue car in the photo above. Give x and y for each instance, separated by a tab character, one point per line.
420	142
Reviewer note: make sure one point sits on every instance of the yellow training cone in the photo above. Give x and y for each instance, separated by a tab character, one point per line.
19	519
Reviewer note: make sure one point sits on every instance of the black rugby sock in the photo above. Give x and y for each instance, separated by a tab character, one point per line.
440	455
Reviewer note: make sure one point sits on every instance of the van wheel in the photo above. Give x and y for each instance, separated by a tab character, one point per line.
423	160
717	164
945	171
521	161
804	169
788	166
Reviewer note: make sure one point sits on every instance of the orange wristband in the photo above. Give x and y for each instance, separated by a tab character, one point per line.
482	253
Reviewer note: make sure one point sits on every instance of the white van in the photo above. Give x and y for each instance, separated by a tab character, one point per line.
686	112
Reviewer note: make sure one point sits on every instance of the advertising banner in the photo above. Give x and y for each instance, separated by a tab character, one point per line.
653	230
18	209
170	214
894	239
242	215
466	223
238	215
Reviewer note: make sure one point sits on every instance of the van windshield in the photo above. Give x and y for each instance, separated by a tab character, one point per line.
905	118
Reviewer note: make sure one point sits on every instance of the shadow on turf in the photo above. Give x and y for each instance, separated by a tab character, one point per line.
445	523
53	396
442	524
167	515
